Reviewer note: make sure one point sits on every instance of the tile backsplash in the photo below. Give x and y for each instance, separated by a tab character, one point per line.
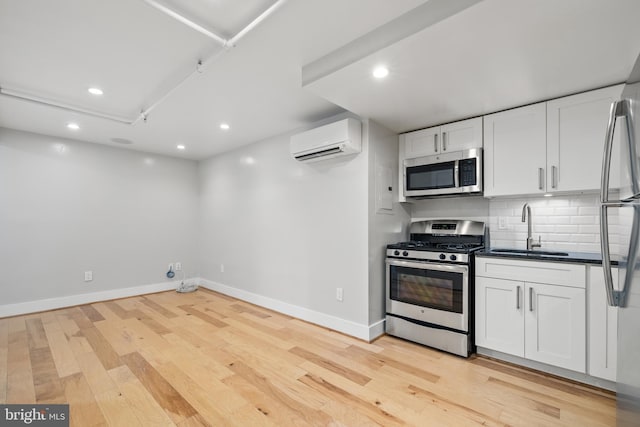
569	223
563	222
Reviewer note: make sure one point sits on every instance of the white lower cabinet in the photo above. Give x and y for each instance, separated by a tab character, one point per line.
530	309
555	327
499	319
603	327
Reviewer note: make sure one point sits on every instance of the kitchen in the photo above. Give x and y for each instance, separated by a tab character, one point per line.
125	224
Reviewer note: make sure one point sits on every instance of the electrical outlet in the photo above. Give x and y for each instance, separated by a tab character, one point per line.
178	266
502	223
339	294
88	276
221	268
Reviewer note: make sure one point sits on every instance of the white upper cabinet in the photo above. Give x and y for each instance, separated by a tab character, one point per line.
462	135
576	127
425	142
455	136
549	147
515	151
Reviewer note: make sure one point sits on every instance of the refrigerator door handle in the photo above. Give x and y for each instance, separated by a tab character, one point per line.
614	112
612	294
622	108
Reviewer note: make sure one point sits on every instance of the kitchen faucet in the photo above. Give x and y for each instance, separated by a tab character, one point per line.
526	216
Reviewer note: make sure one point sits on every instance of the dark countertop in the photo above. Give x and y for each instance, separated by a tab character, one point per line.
573	257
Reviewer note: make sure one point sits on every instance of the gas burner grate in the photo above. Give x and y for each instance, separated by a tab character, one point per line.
457	246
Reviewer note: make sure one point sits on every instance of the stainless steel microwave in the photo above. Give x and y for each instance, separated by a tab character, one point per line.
458	172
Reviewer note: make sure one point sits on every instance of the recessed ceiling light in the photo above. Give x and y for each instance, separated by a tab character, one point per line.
95	91
224	126
180	147
73	126
380	72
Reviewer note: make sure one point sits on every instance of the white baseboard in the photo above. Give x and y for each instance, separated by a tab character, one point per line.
364	332
376	330
80	299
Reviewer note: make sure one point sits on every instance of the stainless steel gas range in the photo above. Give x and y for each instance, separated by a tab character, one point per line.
429	286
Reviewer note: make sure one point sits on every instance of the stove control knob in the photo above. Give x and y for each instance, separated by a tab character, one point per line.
443	256
453	257
405	253
396	253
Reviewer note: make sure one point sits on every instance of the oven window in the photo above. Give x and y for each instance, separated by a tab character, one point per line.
436	289
428	177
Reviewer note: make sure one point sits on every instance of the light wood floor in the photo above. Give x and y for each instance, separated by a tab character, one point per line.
206	359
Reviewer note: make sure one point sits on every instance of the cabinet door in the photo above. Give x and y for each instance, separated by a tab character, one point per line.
555	325
603	327
462	135
499	319
515	151
576	127
425	142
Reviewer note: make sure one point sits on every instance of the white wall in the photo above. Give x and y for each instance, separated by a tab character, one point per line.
287	232
69	206
385	226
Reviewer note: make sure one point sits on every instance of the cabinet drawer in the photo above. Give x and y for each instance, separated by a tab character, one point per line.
555	273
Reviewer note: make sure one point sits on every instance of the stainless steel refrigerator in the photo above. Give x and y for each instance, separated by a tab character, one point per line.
620	239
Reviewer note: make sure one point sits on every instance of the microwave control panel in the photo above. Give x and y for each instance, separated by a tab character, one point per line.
467	172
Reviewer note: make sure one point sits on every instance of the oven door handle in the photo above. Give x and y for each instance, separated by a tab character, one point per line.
425	265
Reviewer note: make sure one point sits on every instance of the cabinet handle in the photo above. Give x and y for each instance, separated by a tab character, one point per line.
518	298
435	142
554	177
530	299
541	178
444	141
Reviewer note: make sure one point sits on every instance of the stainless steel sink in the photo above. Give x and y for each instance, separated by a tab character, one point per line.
528	252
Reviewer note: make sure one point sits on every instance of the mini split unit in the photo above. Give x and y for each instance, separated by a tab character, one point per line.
336	139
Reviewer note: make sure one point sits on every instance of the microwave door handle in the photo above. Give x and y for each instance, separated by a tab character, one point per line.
456	174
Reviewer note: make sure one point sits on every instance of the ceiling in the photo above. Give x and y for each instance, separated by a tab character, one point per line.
305	61
495	55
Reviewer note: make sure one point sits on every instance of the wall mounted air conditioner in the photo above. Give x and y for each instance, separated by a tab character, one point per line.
335	139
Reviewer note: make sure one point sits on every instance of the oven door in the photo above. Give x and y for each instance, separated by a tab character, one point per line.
437	294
